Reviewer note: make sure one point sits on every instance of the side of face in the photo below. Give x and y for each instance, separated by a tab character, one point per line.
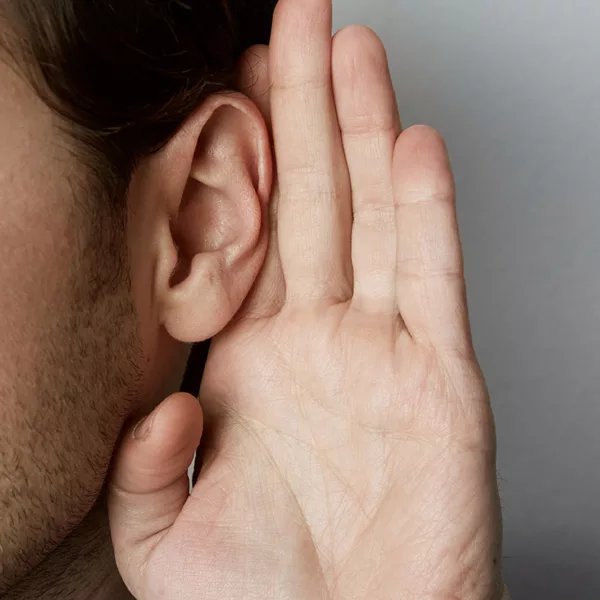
98	305
71	364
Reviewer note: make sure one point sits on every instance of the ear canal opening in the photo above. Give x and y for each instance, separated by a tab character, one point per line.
183	266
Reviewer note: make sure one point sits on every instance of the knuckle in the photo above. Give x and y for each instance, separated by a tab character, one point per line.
419	271
305	181
375	211
376	125
431	190
297	80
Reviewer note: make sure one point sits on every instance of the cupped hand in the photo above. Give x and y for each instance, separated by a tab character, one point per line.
349	446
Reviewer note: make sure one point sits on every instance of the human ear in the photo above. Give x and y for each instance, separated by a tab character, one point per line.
212	184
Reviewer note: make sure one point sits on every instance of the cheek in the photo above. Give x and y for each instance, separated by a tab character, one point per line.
71	371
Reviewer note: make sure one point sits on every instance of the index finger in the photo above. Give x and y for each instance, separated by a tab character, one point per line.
315	213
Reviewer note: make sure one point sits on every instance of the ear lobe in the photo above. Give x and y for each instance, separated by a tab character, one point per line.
215	231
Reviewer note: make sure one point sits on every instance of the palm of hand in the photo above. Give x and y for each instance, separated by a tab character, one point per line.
335	493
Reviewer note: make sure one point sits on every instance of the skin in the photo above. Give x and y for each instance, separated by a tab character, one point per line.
348	443
99	305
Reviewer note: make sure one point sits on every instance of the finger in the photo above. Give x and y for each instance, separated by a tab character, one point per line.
268	294
252	78
370	124
430	283
149	483
314	213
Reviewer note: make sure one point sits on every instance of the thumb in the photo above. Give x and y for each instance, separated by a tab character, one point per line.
149	482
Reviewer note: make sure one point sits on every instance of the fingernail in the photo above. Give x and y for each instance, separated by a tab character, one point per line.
142	430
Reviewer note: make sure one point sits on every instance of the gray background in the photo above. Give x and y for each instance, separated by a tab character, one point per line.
514	85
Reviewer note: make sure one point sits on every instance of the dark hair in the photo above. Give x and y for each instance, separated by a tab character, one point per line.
125	74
